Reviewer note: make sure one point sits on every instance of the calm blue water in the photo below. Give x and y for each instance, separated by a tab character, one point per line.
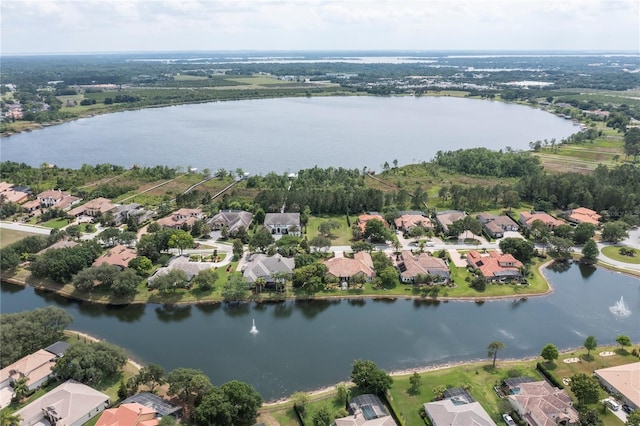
306	345
286	135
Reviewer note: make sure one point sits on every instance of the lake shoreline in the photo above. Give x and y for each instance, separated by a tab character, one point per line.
426	299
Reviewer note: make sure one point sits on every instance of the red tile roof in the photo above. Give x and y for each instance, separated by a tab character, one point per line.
494	264
343	267
117	256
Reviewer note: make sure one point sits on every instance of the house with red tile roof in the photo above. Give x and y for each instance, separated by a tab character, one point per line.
344	268
119	256
495	266
181	217
129	414
583	215
407	221
9	193
527	218
93	207
541	404
364	218
412	266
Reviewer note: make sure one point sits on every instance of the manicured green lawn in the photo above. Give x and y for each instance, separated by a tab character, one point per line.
613	252
56	223
339	237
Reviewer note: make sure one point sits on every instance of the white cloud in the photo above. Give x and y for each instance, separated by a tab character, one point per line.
102	25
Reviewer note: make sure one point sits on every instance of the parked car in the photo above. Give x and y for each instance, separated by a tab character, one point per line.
612	404
626	409
508	420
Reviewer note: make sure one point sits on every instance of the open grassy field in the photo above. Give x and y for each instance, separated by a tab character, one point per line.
339	237
9	236
613	252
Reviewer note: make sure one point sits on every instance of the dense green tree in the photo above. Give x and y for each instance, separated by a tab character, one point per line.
633	419
261	240
560	248
623	341
563	231
61	264
245	402
181	240
614	231
590	343
368	377
25	332
151	376
376	231
510	199
125	283
583	232
142	265
90	362
493	349
169	282
589	417
300	400
215	410
523	250
320	243
414	383
389	277
206	279
238	248
188	385
585	388
236	288
322	417
549	352
9	419
168	421
632	143
326	227
590	252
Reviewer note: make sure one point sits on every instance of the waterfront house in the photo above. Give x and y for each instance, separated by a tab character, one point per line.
162	407
118	256
12	194
411	266
449	412
541	404
129	414
623	380
366	410
495	226
35	367
495	266
262	266
283	223
70	404
344	268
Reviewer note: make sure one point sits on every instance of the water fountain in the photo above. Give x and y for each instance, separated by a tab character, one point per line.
620	309
254	330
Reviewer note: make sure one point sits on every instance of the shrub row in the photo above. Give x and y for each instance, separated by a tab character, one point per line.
550	377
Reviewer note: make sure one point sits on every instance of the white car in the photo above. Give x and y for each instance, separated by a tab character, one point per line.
508	420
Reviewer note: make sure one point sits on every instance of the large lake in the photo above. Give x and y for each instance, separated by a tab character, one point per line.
286	135
306	345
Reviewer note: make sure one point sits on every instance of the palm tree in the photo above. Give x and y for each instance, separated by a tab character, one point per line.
260	283
493	349
20	388
7	419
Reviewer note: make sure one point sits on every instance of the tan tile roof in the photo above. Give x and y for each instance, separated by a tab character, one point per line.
117	256
35	367
625	379
345	267
584	215
446	413
422	264
545	404
546	218
94	206
408	221
364	218
494	264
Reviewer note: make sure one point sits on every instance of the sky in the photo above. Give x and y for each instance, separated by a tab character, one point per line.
62	26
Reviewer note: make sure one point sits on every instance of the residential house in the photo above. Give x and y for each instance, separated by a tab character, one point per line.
232	219
122	213
364	218
161	406
35	367
527	219
119	256
495	226
262	266
447	217
344	268
411	266
180	218
283	223
541	404
70	404
449	413
58	348
56	199
511	386
129	414
93	208
59	245
583	215
181	262
407	221
495	266
13	194
366	410
31	206
624	380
